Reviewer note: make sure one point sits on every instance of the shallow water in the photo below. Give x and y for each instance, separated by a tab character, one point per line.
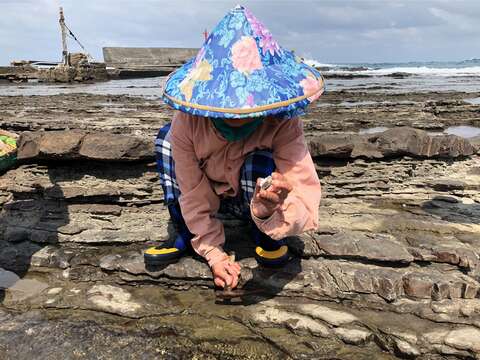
152	87
149	88
373	130
358	103
473	101
7	279
409	84
463	131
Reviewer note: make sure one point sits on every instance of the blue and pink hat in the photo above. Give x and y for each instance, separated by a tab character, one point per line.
242	72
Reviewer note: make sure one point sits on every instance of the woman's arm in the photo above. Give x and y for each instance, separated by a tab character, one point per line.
298	212
198	201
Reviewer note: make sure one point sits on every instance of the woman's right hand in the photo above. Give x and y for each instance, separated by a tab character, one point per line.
265	202
226	273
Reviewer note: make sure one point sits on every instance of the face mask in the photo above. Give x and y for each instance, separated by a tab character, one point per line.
235	133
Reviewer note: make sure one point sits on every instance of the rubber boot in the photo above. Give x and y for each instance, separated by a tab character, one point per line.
171	251
269	252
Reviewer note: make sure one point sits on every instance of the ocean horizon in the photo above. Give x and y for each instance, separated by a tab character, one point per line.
470	67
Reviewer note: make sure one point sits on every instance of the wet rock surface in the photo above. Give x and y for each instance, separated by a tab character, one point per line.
339	111
392	271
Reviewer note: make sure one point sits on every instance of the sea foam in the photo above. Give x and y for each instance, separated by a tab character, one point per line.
422	70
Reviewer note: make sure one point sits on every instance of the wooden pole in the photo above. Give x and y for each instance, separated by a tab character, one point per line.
64	38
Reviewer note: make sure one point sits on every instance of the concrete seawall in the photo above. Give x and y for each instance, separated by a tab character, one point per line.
141	62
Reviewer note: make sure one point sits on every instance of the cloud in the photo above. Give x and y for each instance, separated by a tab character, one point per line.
329	30
458	21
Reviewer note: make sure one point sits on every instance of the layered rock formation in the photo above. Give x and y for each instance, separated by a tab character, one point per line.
393	270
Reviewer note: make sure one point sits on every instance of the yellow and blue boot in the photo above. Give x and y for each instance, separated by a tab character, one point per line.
269	252
172	251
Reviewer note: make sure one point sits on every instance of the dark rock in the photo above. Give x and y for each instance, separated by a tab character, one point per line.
376	247
418	285
399	75
448	199
17	257
395	142
16	234
75	144
345	76
28	145
440	291
115	147
475	141
133	263
61	144
332	145
446	185
414	142
366	149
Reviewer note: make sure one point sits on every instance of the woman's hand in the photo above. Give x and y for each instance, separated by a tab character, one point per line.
226	273
265	202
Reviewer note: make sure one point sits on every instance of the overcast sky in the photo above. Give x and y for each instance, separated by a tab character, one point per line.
328	31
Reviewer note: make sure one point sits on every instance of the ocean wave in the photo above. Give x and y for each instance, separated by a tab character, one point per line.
470	67
316	63
421	70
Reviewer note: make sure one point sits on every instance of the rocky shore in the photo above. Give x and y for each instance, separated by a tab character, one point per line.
393	271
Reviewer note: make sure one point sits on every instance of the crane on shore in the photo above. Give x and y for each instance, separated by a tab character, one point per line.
73	67
67	32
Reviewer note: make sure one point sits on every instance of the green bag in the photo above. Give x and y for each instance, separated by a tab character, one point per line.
8	150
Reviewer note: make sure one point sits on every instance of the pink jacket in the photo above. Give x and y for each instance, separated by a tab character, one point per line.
208	167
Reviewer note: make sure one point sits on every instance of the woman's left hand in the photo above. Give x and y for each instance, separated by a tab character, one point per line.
226	273
265	202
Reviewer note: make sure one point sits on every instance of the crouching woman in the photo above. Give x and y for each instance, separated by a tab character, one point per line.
236	123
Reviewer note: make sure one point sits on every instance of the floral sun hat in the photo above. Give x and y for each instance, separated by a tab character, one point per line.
241	72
